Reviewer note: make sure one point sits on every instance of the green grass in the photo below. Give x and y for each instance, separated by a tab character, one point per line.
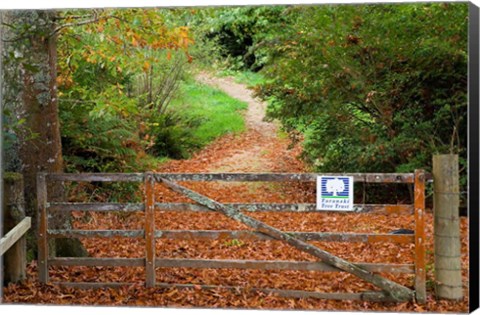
149	162
219	113
282	134
248	78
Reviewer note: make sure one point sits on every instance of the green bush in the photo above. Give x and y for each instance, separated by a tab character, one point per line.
372	87
173	136
106	144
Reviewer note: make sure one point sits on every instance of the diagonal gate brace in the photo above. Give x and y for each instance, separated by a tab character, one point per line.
396	291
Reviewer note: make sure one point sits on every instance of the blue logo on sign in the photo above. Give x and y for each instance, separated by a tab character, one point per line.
335	187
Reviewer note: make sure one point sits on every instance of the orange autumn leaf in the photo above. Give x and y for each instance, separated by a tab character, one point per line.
134	41
146	66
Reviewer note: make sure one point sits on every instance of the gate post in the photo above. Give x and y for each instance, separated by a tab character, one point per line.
42	227
150	230
419	205
447	245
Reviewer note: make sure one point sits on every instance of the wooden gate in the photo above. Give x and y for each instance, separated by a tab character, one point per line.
390	290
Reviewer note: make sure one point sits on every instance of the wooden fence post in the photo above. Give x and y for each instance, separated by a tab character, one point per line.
150	229
42	227
15	259
448	268
419	204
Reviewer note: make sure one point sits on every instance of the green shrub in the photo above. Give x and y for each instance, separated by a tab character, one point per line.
372	87
173	136
106	144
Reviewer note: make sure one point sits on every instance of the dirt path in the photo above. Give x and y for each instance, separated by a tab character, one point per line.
263	135
259	149
256	109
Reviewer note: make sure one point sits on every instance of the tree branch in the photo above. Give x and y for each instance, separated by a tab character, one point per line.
71	17
66	25
94	19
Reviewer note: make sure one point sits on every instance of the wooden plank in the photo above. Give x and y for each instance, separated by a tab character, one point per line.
80	206
231	177
150	229
277	265
285	177
93	285
97	261
95	233
14	235
304	236
420	264
42	228
299	294
363	296
97	177
285	207
395	290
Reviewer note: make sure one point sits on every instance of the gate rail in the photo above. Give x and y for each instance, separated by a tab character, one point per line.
150	234
9	239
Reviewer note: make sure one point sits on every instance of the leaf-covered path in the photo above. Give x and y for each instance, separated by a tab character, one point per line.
261	148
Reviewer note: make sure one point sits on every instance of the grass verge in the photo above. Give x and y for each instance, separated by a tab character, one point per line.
248	78
216	112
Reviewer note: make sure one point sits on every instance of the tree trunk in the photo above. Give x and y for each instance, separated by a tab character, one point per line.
448	263
32	59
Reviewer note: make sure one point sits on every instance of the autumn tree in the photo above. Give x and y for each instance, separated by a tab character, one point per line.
119	41
116	78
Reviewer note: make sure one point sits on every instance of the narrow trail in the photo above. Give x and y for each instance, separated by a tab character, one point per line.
263	134
256	108
258	149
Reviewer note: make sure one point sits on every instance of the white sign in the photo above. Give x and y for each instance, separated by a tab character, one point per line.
335	193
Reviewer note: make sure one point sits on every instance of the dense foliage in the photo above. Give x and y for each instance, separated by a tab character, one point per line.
372	87
237	37
110	84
